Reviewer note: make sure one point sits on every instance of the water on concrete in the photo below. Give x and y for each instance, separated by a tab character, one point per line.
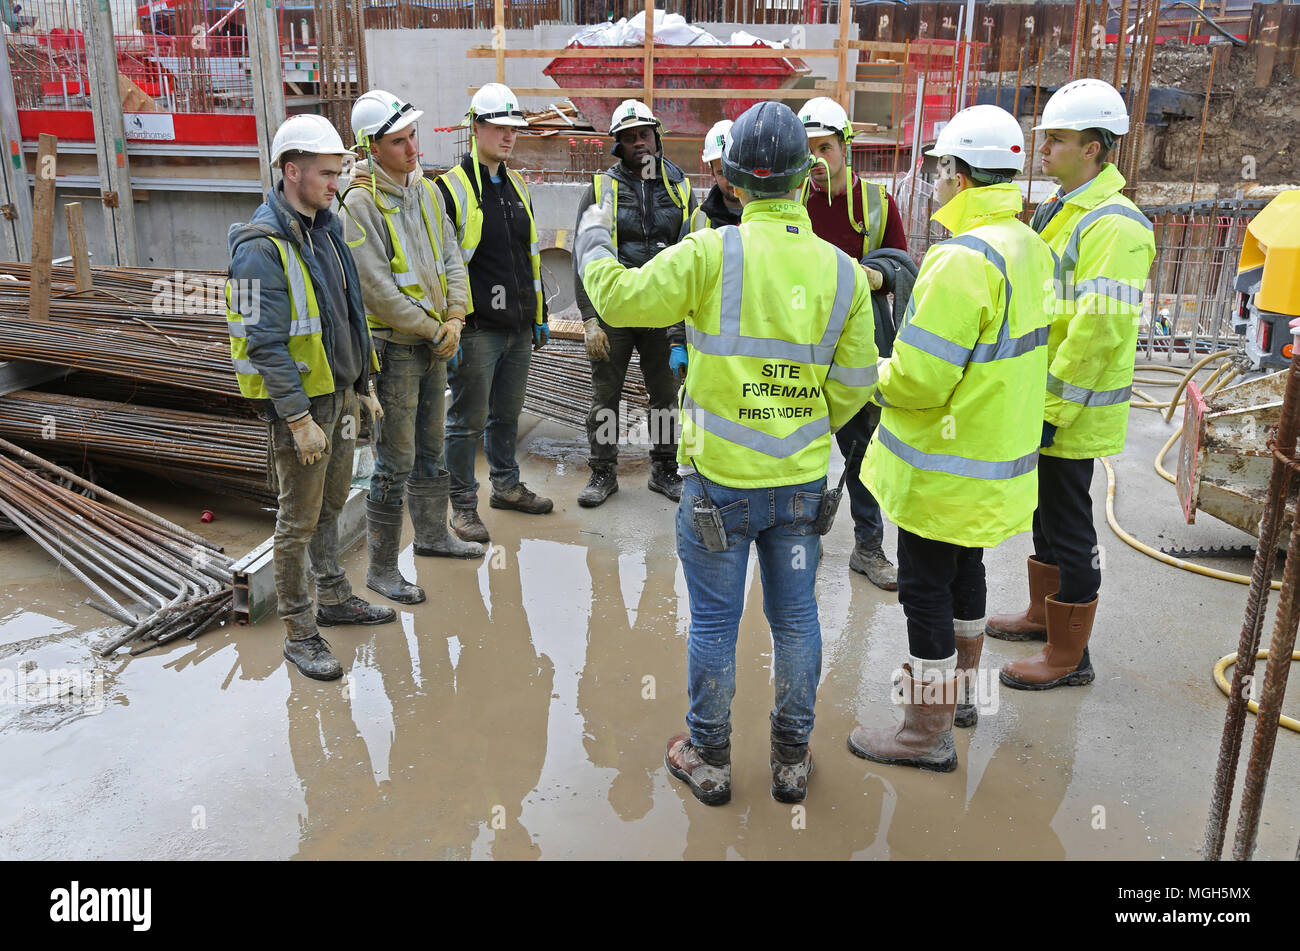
522	711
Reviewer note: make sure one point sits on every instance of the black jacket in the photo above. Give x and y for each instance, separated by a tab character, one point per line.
501	271
649	220
716	208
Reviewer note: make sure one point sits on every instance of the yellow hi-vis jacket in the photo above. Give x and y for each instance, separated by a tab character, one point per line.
955	457
780	335
467	216
1104	247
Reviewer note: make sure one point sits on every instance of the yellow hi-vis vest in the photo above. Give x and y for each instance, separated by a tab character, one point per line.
1104	247
306	346
955	457
468	218
779	333
872	197
407	282
679	192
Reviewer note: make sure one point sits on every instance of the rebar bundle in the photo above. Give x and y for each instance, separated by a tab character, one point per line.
161	581
158	326
214	452
559	386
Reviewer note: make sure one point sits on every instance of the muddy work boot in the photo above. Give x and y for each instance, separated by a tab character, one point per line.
383	540
602	484
353	611
924	738
665	480
521	499
309	652
872	562
468	526
1031	623
792	767
970	644
428	500
1064	661
705	769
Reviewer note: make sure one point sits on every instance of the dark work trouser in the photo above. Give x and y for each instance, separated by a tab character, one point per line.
937	582
1064	533
853	436
607	376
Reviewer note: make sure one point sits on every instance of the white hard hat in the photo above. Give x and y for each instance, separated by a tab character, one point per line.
630	114
825	116
495	103
1086	104
307	133
714	141
984	137
378	113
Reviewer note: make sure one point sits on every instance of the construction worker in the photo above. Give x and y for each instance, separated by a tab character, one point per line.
781	355
858	217
416	294
492	209
655	205
301	348
953	459
1104	247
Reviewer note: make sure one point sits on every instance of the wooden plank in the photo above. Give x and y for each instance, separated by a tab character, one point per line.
499	38
661	52
878	46
47	164
16	210
77	246
842	65
930	87
110	133
648	64
634	92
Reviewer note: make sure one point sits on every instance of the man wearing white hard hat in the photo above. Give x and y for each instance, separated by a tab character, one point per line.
302	350
654	207
1104	247
954	459
859	218
492	209
417	295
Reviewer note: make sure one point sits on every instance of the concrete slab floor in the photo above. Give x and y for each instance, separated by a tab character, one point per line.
522	711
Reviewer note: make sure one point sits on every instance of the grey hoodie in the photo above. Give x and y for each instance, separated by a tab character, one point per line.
364	223
253	258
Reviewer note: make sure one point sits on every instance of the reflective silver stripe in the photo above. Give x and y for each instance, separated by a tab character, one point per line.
537	286
297	283
245	367
780	447
534	250
1070	256
853	376
235	328
462	214
1086	397
956	465
596	252
934	345
406	279
729	342
1004	348
874	233
1109	287
300	328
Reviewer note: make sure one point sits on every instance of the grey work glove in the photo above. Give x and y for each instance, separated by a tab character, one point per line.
308	439
596	339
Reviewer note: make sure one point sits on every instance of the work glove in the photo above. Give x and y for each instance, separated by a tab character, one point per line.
372	405
598	216
1049	435
541	335
677	361
596	339
875	278
447	340
308	439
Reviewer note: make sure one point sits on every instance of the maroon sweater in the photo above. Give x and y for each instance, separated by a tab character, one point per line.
831	222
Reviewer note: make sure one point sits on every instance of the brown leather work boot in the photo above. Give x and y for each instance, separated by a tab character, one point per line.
924	738
468	526
1031	623
520	498
1064	662
706	771
969	649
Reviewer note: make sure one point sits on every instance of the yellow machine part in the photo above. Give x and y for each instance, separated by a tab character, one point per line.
1272	244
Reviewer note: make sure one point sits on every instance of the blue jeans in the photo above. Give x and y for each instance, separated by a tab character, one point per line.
412	390
780	521
853	436
487	396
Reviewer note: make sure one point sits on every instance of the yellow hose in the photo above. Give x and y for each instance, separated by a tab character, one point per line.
1221	679
1187	378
